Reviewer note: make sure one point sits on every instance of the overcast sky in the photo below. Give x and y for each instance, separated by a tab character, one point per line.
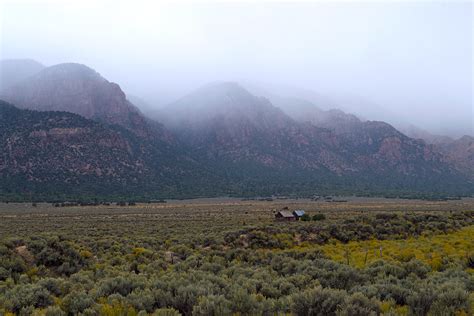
413	59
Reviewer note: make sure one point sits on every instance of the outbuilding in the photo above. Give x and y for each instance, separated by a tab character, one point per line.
298	213
285	216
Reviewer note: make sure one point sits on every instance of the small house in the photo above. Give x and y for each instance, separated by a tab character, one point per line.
285	216
298	213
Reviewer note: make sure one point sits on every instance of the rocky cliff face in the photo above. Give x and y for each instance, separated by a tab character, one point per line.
231	125
224	122
460	152
375	145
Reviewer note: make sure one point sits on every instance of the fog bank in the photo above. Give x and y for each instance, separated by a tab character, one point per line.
409	61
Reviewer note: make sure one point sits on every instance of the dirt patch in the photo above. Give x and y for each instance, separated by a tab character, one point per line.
23	252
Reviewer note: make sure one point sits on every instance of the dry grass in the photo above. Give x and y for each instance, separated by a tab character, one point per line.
189	217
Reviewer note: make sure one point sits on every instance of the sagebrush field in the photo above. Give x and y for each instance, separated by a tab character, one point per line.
224	256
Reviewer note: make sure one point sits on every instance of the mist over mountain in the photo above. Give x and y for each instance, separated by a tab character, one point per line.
13	71
78	89
460	152
391	62
219	134
298	102
224	101
223	122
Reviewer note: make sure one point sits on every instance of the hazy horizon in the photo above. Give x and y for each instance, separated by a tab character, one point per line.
406	61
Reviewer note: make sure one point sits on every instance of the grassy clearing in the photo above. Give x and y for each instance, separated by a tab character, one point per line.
434	250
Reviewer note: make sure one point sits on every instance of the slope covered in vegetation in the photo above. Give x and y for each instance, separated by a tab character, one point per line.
50	155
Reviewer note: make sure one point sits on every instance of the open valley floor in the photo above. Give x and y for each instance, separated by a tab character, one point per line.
226	256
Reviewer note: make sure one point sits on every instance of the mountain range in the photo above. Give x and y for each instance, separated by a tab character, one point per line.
69	132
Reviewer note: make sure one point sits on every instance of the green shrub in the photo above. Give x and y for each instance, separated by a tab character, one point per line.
359	305
319	217
4	274
317	302
305	218
450	299
419	302
26	311
54	311
52	285
76	302
119	285
186	297
242	301
166	312
25	295
53	252
142	300
212	306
